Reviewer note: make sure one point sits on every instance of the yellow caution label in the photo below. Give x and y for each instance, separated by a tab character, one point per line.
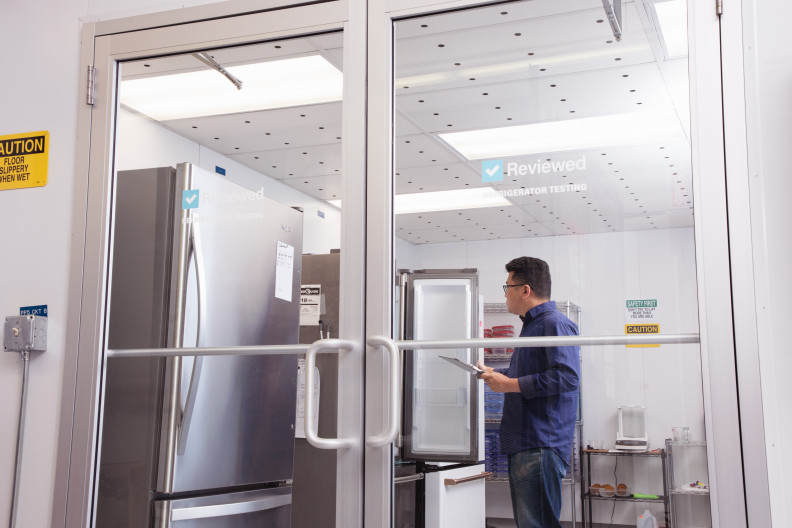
632	329
23	160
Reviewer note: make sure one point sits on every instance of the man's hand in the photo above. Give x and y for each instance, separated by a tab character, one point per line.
484	367
498	382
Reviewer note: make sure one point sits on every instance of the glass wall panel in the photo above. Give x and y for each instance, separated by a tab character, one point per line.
223	235
529	131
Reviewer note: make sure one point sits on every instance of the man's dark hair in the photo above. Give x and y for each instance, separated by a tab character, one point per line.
534	272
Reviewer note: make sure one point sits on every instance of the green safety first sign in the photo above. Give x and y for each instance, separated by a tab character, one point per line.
641	310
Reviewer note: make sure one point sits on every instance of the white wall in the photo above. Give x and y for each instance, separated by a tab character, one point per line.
598	273
405	254
45	40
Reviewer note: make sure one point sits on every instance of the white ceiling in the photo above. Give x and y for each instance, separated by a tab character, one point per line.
544	60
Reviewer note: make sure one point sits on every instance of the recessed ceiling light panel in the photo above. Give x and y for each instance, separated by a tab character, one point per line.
445	200
265	85
570	134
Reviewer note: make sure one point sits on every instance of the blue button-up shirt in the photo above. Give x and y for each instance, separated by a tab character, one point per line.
543	413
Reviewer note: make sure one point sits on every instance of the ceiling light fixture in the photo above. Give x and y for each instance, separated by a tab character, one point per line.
672	18
273	84
569	134
445	200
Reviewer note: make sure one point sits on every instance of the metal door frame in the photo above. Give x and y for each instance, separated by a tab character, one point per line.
222	24
712	237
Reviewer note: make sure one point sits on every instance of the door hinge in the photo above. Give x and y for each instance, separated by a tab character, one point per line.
719	7
89	99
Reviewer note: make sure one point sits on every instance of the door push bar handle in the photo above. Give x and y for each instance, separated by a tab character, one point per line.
394	394
454	482
323	345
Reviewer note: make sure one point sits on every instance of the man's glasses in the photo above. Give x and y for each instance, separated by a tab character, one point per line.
507	286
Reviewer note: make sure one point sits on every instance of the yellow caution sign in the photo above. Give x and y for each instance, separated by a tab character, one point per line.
632	329
23	160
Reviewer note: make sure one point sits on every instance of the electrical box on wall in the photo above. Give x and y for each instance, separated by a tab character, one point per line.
25	333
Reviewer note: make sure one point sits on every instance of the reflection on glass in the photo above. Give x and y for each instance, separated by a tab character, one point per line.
527	129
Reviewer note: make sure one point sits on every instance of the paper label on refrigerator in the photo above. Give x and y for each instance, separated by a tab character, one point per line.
299	425
310	296
284	272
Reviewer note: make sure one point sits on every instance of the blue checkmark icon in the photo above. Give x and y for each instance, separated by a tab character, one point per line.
492	170
191	199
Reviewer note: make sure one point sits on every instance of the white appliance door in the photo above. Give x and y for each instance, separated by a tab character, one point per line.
441	400
455	498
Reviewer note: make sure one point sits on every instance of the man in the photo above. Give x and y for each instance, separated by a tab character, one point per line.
540	408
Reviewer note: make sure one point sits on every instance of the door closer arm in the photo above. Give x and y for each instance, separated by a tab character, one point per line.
209	61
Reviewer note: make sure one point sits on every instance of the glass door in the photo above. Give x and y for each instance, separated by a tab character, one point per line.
221	151
555	152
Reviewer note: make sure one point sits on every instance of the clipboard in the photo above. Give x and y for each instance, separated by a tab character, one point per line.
464	366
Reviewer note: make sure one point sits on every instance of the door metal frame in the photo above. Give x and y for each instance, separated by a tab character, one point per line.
222	24
719	375
766	496
367	220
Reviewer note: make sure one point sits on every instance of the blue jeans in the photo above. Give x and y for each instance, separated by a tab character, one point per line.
535	481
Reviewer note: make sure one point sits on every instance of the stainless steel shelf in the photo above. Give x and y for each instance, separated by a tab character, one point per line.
674	490
501	307
661	499
625	453
496	357
693	443
506	479
682	491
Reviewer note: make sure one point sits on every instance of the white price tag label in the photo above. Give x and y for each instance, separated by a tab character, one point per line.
284	272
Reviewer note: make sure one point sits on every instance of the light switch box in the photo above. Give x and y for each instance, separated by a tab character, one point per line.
25	333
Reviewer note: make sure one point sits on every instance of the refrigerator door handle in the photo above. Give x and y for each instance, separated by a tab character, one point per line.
403	280
195	377
234	508
454	482
394	394
323	345
200	272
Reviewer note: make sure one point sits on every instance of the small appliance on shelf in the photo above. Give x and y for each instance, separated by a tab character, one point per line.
632	429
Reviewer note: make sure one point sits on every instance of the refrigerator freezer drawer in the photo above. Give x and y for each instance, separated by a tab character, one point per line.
224	510
455	505
270	507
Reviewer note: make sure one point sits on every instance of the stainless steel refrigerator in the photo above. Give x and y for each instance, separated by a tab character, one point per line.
199	442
